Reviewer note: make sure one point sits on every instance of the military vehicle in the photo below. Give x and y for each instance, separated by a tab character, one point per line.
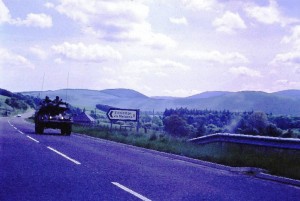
53	114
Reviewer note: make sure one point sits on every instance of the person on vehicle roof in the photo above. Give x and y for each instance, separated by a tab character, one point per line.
46	101
57	100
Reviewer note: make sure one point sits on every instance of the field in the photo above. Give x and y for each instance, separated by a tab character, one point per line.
276	161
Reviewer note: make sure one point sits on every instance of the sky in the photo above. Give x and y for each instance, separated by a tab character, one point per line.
157	47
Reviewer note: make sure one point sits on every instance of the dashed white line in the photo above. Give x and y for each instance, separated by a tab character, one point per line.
130	191
20	132
32	138
64	155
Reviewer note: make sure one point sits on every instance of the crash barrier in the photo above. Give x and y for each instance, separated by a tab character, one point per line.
274	142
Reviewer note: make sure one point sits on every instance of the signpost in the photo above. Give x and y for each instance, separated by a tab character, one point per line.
116	114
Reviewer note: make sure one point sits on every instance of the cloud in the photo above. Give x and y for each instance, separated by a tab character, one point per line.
115	21
290	58
216	57
158	67
201	4
270	14
9	59
293	56
229	23
178	21
49	5
244	71
294	38
86	53
287	84
4	13
34	20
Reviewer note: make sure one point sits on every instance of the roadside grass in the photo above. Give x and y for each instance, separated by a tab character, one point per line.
279	162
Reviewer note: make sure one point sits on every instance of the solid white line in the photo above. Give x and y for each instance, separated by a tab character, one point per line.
65	156
32	139
130	191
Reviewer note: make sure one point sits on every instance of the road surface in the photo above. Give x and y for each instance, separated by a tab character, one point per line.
54	167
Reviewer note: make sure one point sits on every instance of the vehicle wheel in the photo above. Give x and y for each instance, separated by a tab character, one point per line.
68	130
63	130
39	129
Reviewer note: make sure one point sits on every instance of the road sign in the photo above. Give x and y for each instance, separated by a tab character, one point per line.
122	114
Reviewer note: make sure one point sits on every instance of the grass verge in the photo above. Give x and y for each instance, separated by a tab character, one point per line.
279	162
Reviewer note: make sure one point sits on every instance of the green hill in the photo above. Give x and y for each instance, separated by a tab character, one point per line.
12	103
283	102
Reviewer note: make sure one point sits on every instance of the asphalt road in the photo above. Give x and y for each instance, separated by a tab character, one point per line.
53	167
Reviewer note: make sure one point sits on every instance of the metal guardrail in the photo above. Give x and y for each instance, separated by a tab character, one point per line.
274	142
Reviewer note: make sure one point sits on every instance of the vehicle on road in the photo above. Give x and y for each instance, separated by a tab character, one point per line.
53	114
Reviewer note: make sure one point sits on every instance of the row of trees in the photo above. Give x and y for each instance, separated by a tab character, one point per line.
193	123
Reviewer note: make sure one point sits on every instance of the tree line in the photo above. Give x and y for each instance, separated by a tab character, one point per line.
183	122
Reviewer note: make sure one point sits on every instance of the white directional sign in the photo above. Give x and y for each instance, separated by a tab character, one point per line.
122	114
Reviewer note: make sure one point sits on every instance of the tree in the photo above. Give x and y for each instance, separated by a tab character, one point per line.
258	121
272	130
176	126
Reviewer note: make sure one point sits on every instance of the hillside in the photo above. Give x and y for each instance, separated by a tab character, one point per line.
283	102
12	103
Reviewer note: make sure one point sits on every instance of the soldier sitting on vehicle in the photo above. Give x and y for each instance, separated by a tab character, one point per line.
46	101
57	101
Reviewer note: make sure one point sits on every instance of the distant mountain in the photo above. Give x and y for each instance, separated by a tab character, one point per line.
209	94
294	94
124	93
282	102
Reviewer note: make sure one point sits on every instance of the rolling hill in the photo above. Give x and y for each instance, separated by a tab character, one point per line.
282	102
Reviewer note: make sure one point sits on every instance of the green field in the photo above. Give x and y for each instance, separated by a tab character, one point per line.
276	161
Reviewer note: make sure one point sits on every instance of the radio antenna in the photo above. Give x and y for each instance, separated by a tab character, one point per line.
67	87
42	86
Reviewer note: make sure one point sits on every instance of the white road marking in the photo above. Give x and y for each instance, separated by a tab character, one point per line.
65	156
20	132
32	139
130	191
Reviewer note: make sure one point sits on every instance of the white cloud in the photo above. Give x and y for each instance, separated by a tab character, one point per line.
290	58
34	20
244	71
4	13
229	23
293	56
201	4
294	38
216	57
270	14
115	21
158	67
287	84
86	53
179	21
49	5
9	59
